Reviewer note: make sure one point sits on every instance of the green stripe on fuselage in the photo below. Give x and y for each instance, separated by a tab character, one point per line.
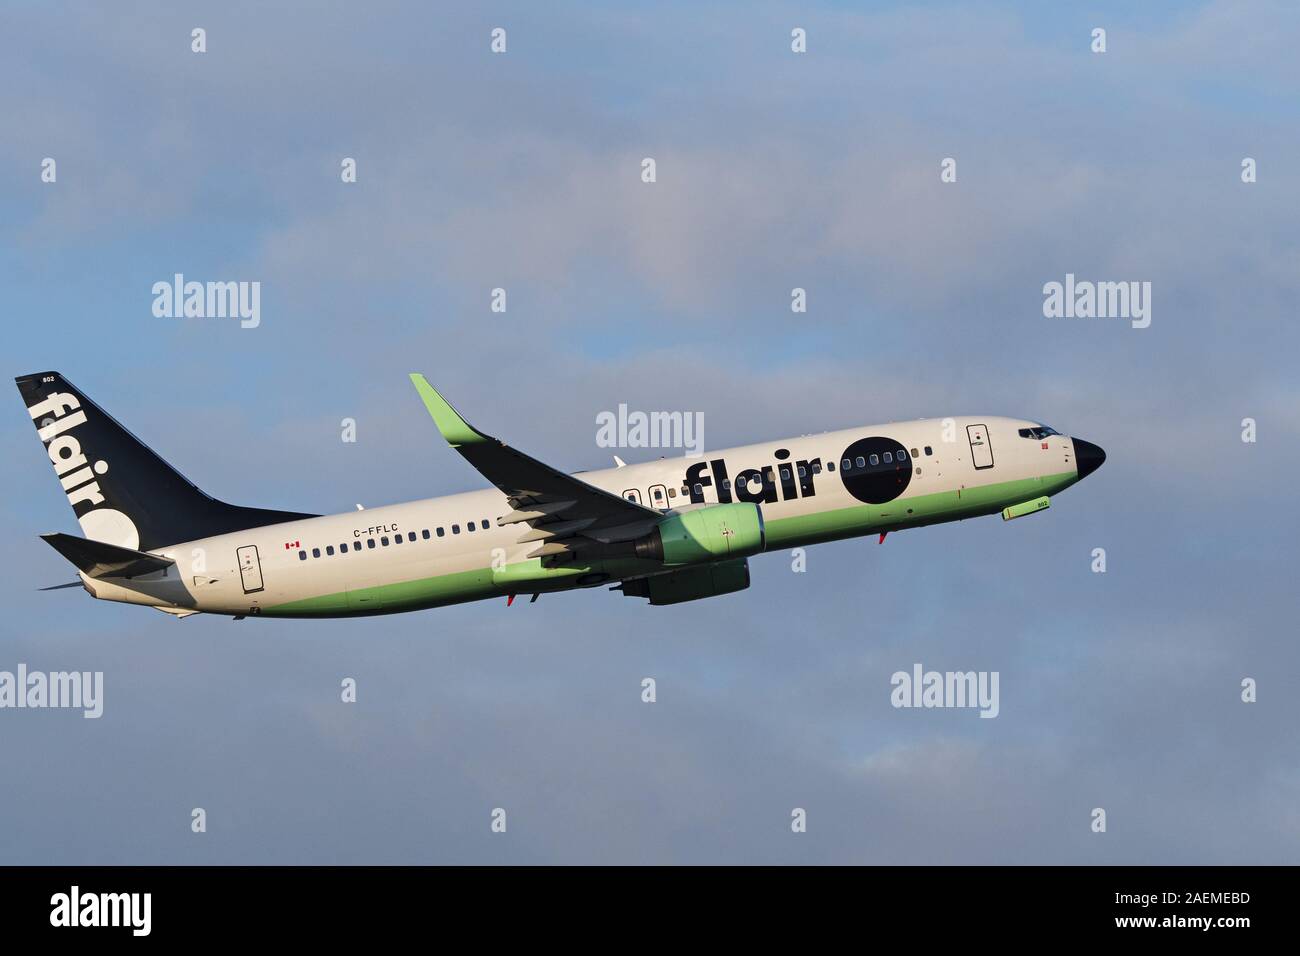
909	512
387	598
781	533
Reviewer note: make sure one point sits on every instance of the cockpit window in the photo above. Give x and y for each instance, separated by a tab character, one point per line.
1042	431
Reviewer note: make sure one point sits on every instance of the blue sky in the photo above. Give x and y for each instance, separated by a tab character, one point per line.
775	170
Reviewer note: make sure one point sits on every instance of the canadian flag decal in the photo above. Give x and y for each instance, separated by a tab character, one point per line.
290	545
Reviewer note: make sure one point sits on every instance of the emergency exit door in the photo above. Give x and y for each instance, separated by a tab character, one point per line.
250	568
981	449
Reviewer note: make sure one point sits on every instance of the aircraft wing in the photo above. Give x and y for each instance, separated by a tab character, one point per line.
555	509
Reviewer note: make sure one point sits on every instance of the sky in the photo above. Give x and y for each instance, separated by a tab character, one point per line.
775	170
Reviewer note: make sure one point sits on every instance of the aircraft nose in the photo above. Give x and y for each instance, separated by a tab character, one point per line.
1088	457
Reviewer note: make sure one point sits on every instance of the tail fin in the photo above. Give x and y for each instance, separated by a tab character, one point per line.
121	492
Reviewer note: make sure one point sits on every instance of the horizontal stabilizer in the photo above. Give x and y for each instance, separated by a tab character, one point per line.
100	560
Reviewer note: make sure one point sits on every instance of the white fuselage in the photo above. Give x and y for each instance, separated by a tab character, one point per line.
949	474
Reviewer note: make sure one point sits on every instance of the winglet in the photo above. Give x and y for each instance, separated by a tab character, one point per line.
455	429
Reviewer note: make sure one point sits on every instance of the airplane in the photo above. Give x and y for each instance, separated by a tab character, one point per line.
670	530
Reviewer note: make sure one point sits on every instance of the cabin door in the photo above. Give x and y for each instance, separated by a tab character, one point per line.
250	568
981	450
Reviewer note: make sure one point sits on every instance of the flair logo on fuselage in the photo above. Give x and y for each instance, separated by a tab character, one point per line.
75	473
874	470
757	485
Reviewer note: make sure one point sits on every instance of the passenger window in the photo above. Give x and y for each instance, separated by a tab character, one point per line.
384	541
425	534
785	474
875	459
913	452
803	472
370	542
455	529
830	466
441	533
726	484
672	492
699	488
902	454
302	555
862	462
470	526
484	524
343	548
315	552
356	545
889	459
848	464
928	451
329	549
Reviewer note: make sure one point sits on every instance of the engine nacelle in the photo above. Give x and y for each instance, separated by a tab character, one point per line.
715	533
691	584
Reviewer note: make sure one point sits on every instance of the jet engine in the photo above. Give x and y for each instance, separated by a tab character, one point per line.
715	533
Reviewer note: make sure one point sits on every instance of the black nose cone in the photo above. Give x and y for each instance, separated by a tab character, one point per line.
1087	456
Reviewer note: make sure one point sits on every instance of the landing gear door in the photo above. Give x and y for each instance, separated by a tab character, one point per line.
981	449
250	568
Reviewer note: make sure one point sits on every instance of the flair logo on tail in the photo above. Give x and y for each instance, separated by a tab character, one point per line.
65	450
57	416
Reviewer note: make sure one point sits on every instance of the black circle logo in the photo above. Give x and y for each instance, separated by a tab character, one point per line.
875	470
